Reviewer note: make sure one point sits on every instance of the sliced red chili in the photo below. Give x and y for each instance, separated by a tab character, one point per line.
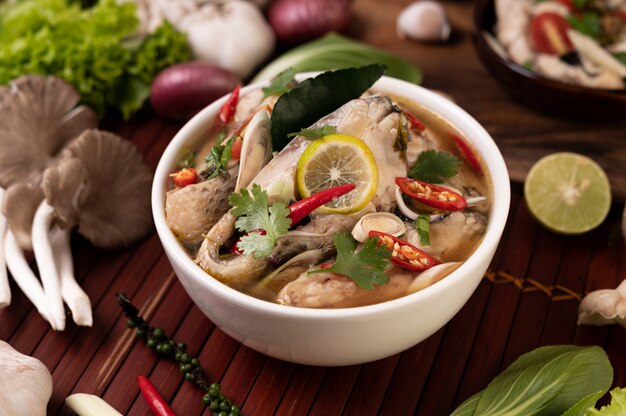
434	196
549	34
405	254
235	149
158	406
304	207
468	153
227	112
414	122
184	177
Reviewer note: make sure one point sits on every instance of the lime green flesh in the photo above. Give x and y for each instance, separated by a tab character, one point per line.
568	193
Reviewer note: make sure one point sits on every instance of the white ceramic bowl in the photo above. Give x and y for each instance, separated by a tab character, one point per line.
333	337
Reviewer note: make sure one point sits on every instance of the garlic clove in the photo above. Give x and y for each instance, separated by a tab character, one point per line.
377	221
25	383
604	307
424	21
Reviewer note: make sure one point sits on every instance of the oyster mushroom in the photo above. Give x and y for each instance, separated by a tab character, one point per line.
25	383
604	307
378	221
38	116
101	186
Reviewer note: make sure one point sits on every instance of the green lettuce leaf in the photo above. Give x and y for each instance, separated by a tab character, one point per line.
617	407
334	51
544	382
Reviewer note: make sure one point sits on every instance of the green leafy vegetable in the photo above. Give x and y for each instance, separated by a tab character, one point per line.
219	157
89	48
317	97
544	382
402	137
315	133
366	267
253	213
186	160
433	166
621	57
588	24
580	408
423	229
617	407
282	83
334	51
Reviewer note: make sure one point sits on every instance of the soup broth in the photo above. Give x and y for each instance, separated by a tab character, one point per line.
431	185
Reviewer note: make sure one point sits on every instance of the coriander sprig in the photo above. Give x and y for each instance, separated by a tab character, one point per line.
157	340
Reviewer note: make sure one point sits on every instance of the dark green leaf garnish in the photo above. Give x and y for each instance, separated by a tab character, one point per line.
186	160
433	166
366	267
588	24
317	97
315	133
218	158
422	225
281	84
402	138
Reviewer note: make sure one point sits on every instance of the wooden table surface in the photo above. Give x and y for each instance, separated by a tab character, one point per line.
528	298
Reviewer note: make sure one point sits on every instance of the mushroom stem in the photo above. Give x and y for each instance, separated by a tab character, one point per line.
46	264
5	289
73	295
24	276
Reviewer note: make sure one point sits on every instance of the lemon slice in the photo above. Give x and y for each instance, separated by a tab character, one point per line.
338	159
568	193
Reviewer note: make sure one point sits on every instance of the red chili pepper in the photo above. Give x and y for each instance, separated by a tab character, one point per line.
468	153
434	196
155	401
235	248
404	254
184	177
235	149
414	122
304	207
325	266
227	111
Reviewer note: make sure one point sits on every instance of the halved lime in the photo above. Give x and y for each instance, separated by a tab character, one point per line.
338	159
568	193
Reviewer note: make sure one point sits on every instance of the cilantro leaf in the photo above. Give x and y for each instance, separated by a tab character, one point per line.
282	83
366	267
433	166
423	228
253	213
219	157
315	133
588	24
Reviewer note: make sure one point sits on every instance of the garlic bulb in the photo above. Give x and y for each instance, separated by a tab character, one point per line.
25	383
424	21
233	35
377	221
604	307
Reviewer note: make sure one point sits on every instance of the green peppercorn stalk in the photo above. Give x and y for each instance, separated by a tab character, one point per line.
157	340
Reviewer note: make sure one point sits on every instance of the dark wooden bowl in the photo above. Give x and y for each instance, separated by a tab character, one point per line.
541	93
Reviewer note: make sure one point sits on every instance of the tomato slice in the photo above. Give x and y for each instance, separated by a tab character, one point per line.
405	254
549	34
184	177
235	149
434	196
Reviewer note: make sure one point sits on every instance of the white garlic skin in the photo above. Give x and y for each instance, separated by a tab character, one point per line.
424	21
25	383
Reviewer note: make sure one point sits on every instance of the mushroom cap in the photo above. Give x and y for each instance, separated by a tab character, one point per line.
38	115
102	185
20	203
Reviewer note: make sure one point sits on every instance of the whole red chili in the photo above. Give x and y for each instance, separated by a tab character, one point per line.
414	122
404	254
434	196
227	112
184	177
468	153
155	401
304	207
